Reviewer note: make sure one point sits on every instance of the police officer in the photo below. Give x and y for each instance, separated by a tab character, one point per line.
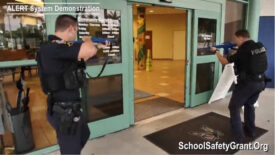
62	75
250	64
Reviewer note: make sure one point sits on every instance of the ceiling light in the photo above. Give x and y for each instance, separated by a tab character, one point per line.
151	11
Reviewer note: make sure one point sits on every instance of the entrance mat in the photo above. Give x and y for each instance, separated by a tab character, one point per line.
141	94
210	127
153	107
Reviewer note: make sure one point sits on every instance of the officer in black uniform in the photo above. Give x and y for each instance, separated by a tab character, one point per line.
250	64
62	75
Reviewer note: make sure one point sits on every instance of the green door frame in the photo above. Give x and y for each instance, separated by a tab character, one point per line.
188	51
217	6
111	124
188	59
203	97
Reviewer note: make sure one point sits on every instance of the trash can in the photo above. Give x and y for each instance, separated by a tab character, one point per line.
22	136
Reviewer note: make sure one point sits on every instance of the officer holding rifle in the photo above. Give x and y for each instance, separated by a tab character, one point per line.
250	64
62	73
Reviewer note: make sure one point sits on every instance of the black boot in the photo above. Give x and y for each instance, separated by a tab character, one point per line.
248	134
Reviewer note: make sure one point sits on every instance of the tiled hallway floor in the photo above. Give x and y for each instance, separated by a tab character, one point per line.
166	79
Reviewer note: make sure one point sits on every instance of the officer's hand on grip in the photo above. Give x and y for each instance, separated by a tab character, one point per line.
213	49
86	39
100	46
87	49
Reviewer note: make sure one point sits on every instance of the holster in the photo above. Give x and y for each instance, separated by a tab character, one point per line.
69	117
244	77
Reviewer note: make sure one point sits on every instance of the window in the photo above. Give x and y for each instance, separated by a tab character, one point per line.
206	35
205	77
105	97
21	32
234	19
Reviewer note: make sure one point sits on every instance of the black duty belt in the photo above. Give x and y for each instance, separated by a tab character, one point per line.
257	77
63	107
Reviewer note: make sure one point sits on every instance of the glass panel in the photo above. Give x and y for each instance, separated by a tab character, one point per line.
21	32
105	98
103	23
42	132
206	35
234	19
205	77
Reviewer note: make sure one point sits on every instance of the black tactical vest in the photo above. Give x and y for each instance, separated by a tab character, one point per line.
70	79
257	63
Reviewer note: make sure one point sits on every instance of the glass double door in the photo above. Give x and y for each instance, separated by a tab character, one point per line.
204	70
107	96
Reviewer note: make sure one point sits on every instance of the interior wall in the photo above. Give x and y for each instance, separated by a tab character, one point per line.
266	29
234	19
268	7
162	27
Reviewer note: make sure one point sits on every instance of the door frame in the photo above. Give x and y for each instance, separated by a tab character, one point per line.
200	98
187	88
118	122
187	51
217	6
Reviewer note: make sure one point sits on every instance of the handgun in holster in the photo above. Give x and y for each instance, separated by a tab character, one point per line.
69	118
66	123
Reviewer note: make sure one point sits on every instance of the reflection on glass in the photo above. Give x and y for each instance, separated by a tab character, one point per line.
105	97
206	35
21	32
102	23
234	19
205	77
42	132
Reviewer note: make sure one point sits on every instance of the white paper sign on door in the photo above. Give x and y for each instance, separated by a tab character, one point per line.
227	78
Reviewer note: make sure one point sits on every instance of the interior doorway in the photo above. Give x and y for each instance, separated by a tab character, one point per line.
162	89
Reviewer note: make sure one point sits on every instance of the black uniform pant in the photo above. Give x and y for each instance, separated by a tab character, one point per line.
245	94
70	144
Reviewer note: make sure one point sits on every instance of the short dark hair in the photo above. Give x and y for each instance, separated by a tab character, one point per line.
64	21
242	33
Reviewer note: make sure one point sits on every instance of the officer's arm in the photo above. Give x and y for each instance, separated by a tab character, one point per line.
87	49
222	59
